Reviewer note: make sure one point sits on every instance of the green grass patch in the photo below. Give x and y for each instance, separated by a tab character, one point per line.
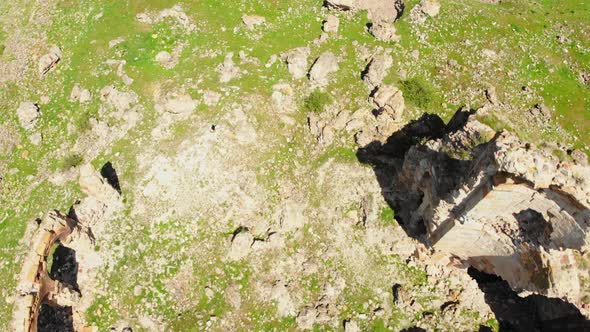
71	161
418	92
317	101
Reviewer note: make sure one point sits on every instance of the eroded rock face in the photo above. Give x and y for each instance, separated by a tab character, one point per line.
499	204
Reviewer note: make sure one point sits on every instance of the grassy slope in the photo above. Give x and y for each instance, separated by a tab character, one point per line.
85	42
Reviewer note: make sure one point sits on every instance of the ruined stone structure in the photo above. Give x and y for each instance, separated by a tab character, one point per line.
504	206
35	286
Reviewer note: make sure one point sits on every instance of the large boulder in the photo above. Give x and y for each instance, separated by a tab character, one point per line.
377	70
28	114
119	100
331	24
228	69
322	68
297	61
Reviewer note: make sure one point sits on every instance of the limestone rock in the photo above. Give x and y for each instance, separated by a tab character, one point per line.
49	61
430	7
251	21
94	185
322	68
119	100
175	13
384	31
424	10
228	70
528	210
182	104
390	100
297	61
351	326
377	70
170	60
241	245
28	114
388	10
331	24
540	112
211	98
80	95
341	4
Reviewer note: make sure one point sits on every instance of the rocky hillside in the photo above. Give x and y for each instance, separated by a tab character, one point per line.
356	165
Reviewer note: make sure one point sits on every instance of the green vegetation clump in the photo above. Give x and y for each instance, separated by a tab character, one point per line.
71	161
316	102
388	216
417	92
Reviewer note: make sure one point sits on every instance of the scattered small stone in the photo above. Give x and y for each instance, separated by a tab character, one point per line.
251	21
271	61
80	95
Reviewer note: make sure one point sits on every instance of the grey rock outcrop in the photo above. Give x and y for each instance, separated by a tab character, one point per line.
425	9
119	100
228	69
80	95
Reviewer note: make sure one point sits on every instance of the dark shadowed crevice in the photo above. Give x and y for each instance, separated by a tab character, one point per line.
110	174
528	314
55	319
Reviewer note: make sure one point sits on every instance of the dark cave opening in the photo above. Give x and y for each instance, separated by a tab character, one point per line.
65	266
55	319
